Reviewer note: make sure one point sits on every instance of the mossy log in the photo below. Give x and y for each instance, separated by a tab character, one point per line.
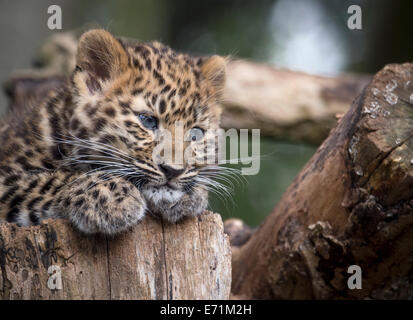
155	260
352	204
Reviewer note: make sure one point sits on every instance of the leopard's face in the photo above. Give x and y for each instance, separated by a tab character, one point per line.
126	96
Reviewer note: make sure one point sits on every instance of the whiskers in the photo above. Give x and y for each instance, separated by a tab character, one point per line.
106	162
100	158
220	181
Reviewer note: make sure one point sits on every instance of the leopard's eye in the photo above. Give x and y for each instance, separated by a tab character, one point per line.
149	122
196	134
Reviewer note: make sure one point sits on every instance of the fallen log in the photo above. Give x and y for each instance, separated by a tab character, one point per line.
155	260
351	205
284	104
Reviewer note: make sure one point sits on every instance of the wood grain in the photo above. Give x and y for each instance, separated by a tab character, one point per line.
155	260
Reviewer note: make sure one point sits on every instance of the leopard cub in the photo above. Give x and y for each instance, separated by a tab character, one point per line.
86	152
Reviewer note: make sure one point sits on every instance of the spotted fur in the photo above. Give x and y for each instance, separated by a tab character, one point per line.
64	157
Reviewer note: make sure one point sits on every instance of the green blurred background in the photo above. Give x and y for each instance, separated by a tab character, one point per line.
306	35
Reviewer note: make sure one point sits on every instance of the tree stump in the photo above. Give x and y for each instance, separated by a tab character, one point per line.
155	260
352	204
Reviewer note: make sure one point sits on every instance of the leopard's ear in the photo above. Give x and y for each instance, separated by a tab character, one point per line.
101	56
213	70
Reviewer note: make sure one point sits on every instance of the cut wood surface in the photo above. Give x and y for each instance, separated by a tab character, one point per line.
352	204
155	260
283	104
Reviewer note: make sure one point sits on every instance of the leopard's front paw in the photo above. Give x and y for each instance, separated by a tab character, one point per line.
173	205
109	208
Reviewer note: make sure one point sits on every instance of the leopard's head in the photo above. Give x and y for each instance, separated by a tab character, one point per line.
126	95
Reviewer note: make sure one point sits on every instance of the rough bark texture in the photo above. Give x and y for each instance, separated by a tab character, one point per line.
284	104
352	204
156	260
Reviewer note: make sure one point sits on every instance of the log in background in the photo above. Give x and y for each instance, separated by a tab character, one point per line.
155	260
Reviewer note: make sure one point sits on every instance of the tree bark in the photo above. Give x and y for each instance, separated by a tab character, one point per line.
155	260
352	204
284	104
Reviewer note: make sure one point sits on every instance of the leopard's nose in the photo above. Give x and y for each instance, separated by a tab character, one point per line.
170	172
